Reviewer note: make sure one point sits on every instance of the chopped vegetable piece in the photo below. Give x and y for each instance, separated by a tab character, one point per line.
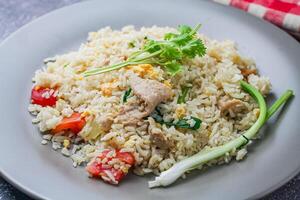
159	119
192	123
43	96
280	101
126	95
131	44
169	53
111	165
184	93
74	123
125	157
93	132
172	174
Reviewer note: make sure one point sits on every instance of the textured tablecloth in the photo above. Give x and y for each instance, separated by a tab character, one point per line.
14	14
283	13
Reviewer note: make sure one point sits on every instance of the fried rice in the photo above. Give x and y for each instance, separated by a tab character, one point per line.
215	97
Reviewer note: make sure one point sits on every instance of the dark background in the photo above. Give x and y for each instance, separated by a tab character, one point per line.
14	14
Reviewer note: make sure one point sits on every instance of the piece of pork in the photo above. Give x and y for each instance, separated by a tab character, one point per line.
157	137
232	106
150	93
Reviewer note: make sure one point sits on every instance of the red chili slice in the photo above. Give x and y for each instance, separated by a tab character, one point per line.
39	96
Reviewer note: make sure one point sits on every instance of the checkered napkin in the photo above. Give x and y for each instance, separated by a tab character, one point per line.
283	13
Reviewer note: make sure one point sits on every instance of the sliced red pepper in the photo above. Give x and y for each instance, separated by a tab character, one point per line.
100	167
74	123
38	96
126	157
99	170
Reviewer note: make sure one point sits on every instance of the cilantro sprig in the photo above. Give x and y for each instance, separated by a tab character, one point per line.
169	53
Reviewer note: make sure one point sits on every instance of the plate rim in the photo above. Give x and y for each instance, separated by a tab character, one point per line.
36	195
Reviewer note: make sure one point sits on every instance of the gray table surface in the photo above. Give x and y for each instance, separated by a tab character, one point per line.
14	14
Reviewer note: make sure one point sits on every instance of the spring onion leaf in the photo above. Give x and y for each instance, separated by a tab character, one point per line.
279	102
171	175
192	123
184	123
126	95
182	97
169	53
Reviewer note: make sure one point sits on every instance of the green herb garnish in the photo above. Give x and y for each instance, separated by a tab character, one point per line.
157	116
169	53
126	95
184	92
177	170
182	123
131	44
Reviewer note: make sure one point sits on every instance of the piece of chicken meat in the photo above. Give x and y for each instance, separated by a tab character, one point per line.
231	106
150	93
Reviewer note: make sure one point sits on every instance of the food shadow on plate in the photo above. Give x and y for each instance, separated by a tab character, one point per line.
273	122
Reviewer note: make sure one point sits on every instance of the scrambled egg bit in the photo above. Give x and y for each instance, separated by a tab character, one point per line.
142	70
107	88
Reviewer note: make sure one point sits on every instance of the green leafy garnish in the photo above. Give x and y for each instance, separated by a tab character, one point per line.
131	44
169	53
177	170
126	95
184	92
192	123
184	123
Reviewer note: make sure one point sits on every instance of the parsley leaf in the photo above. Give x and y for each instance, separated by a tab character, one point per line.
184	29
173	67
169	53
193	48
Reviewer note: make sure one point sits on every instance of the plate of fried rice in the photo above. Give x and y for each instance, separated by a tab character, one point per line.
157	99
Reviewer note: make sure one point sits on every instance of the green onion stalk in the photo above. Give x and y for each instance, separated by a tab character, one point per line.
171	175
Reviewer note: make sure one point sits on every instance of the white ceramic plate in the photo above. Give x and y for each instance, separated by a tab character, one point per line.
41	172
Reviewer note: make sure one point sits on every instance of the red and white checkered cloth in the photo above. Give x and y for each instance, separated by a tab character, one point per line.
283	13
